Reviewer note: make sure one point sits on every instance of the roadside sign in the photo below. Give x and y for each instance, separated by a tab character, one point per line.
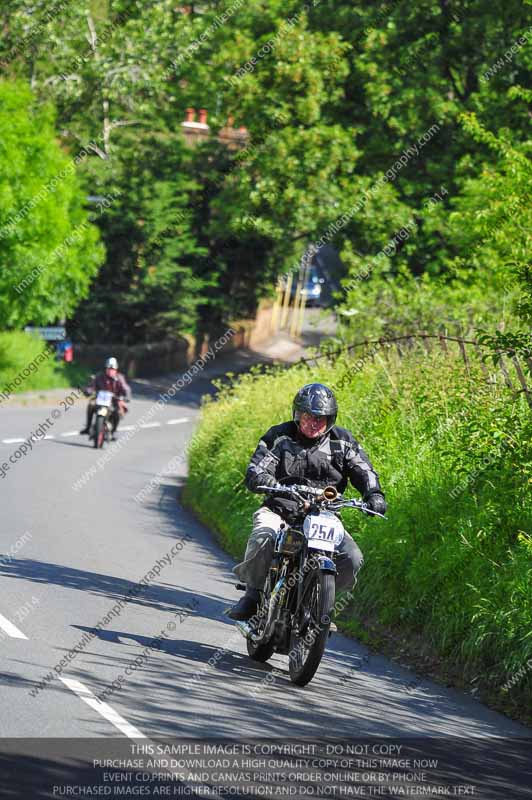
52	334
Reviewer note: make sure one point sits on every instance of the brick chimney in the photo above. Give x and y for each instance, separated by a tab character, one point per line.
195	130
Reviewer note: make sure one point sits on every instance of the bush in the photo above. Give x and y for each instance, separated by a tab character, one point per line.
49	251
25	366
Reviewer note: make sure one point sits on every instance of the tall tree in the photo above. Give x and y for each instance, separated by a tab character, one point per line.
49	250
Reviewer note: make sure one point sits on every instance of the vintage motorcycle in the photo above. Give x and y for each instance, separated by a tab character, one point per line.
294	614
105	419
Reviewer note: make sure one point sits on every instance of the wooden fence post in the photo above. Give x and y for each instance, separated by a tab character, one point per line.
506	374
426	342
522	380
462	346
483	366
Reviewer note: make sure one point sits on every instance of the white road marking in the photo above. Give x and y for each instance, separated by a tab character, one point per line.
179	421
11	629
104	709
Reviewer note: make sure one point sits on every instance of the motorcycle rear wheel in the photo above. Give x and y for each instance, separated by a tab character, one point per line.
263	650
306	649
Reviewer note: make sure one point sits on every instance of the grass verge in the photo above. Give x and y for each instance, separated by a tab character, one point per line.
27	364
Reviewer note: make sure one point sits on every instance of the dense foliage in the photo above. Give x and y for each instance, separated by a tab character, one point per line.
384	128
48	249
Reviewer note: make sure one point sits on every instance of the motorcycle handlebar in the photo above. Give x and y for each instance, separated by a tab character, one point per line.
329	495
299	490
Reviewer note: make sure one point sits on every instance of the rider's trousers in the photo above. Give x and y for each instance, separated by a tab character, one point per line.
259	552
91	408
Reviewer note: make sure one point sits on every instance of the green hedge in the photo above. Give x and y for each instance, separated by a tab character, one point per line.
453	563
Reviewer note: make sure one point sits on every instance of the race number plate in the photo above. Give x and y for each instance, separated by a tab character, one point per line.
104	398
324	531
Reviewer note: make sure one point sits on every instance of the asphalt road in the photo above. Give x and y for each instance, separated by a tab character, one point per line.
69	555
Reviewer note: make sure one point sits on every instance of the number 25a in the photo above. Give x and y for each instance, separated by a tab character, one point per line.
320	532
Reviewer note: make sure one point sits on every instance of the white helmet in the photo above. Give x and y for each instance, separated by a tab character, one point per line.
111	363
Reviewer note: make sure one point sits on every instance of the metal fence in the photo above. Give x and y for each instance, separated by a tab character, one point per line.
511	368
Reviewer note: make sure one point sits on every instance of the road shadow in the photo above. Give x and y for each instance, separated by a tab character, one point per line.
151	594
194	652
165	504
69	444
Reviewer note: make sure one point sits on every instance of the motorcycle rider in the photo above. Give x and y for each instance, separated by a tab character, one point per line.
309	450
109	381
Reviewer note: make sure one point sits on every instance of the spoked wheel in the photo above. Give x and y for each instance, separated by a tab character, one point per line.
99	432
262	651
113	424
314	621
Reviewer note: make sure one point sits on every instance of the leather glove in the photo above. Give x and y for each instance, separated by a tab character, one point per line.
376	502
266	480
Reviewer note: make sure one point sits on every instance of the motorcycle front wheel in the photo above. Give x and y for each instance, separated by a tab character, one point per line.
99	432
314	620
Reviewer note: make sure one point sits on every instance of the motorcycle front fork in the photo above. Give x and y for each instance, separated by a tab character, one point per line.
279	617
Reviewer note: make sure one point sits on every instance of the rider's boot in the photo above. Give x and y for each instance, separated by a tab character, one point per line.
246	606
87	428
